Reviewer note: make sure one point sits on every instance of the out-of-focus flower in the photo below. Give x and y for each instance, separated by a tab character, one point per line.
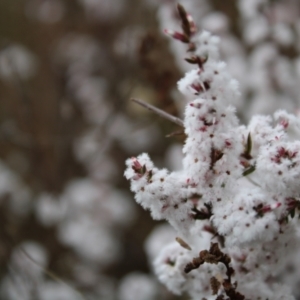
138	286
45	11
103	10
17	62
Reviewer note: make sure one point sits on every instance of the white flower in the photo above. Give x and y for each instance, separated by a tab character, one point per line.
238	184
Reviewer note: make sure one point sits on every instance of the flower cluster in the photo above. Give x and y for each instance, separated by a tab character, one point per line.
233	203
264	56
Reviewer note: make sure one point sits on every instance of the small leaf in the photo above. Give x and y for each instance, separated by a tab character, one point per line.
182	243
249	143
184	19
292	213
250	170
149	176
192	60
248	148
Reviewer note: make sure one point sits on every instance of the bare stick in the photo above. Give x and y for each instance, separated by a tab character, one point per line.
175	133
51	274
159	112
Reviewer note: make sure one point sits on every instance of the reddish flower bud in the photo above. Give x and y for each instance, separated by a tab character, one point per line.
177	35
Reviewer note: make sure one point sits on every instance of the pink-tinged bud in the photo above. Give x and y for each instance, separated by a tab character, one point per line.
268	208
284	123
276	205
292	154
291	202
137	177
136	164
193	27
227	143
197	87
195	105
165	207
191	183
192	47
209	229
261	209
239	258
281	151
245	163
177	35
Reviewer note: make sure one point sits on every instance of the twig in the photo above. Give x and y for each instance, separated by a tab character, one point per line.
175	133
159	112
51	274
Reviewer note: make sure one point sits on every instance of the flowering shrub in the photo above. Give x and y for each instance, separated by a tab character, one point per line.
234	203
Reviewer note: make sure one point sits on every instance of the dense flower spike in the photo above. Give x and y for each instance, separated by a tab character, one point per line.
238	189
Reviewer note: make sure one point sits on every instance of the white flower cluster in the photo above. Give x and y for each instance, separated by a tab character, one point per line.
238	188
261	57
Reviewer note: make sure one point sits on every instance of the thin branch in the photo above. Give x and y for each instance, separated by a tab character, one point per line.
175	133
51	274
159	112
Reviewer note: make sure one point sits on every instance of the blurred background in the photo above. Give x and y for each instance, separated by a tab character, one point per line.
68	68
